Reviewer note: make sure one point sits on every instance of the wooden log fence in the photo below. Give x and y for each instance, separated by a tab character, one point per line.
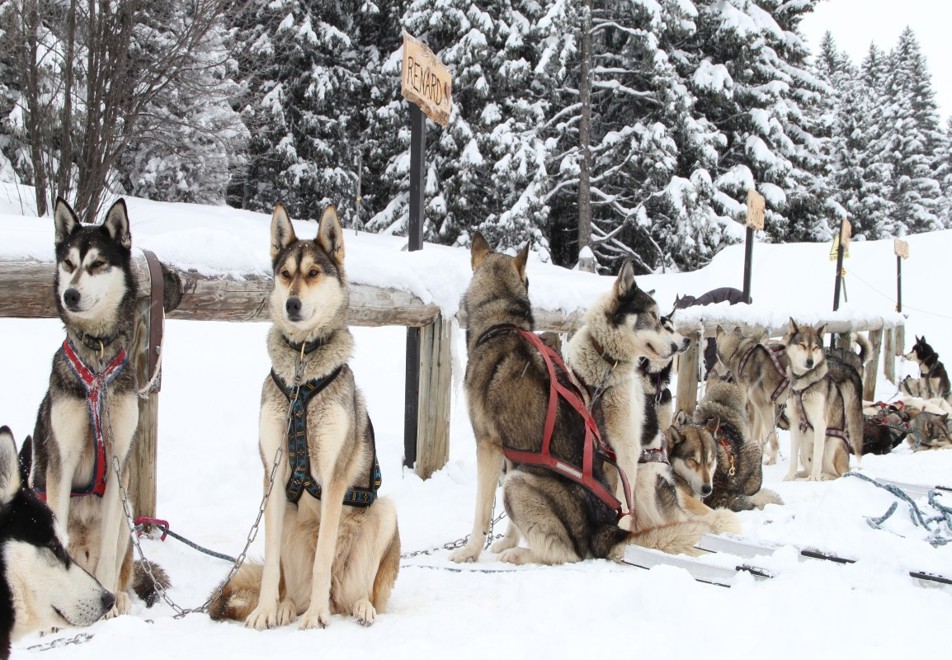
26	291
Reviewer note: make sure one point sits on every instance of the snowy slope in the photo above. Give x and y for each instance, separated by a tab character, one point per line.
209	476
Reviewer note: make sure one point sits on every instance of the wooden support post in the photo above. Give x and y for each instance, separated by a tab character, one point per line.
688	376
889	354
142	463
872	365
900	342
436	385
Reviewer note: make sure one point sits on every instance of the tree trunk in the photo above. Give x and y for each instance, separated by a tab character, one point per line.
586	260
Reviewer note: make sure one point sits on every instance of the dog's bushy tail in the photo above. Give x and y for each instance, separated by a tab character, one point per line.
386	573
149	583
681	537
238	598
765	496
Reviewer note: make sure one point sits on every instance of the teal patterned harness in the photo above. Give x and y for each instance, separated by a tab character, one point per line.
301	478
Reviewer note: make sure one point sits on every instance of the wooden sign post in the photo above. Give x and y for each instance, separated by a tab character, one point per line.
901	248
755	221
426	83
846	230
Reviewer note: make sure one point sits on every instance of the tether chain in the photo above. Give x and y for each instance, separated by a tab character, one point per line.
81	638
181	612
460	542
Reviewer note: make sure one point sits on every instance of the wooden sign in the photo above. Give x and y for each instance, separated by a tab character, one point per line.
755	209
901	248
426	81
846	231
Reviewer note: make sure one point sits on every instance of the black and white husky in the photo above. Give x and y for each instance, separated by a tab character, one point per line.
88	418
40	586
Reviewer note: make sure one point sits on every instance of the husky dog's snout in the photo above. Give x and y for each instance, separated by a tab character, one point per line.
706	490
108	600
71	299
293	308
809	362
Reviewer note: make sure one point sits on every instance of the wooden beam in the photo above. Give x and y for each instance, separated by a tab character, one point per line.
889	354
688	376
142	478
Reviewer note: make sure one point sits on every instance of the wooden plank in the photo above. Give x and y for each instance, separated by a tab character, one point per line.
436	385
889	354
872	365
688	376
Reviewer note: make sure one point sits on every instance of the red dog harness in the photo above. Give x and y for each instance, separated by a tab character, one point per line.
593	440
95	386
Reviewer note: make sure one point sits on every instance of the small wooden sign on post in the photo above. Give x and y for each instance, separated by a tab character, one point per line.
901	248
756	204
755	220
426	82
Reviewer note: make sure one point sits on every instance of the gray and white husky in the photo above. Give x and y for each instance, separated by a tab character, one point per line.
87	420
40	585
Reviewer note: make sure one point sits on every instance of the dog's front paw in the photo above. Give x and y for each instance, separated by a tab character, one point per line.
316	617
123	606
469	552
270	616
770	460
365	613
791	476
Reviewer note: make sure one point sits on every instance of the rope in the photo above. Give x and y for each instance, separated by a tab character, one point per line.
891	299
166	531
938	536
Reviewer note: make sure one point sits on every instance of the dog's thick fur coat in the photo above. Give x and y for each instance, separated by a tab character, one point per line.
322	557
40	585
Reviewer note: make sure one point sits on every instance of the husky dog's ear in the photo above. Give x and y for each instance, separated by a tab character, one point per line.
625	281
681	419
673	433
521	260
479	250
821	331
64	221
117	224
282	231
9	466
712	424
794	328
330	236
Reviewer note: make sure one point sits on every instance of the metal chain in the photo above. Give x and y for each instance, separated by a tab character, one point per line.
81	638
460	542
181	612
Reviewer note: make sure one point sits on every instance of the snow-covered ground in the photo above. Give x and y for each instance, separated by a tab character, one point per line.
209	475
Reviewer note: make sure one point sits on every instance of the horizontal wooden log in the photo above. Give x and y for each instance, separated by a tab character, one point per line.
26	291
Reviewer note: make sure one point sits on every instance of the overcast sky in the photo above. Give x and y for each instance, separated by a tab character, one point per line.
857	23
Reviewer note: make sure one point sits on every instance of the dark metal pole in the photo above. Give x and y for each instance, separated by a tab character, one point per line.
748	259
415	236
839	270
899	284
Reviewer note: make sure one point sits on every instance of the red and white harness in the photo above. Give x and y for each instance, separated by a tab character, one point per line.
95	385
593	443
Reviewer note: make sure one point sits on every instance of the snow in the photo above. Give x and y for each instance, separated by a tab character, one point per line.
209	473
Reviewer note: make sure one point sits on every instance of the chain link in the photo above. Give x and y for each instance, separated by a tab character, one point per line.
460	542
81	638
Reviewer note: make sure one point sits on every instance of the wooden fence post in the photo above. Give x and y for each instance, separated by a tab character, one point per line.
687	376
872	365
436	385
889	354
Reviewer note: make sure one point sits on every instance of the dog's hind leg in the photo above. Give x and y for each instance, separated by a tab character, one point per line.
530	508
489	459
510	540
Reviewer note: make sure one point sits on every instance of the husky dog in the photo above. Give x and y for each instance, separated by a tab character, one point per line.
622	327
656	374
885	426
40	585
760	369
823	409
693	455
87	420
929	431
334	549
933	379
739	474
507	389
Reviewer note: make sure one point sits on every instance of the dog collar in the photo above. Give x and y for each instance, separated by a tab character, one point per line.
94	343
304	348
602	353
658	455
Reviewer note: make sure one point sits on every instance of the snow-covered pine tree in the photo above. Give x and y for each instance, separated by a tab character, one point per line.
912	139
875	208
301	63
